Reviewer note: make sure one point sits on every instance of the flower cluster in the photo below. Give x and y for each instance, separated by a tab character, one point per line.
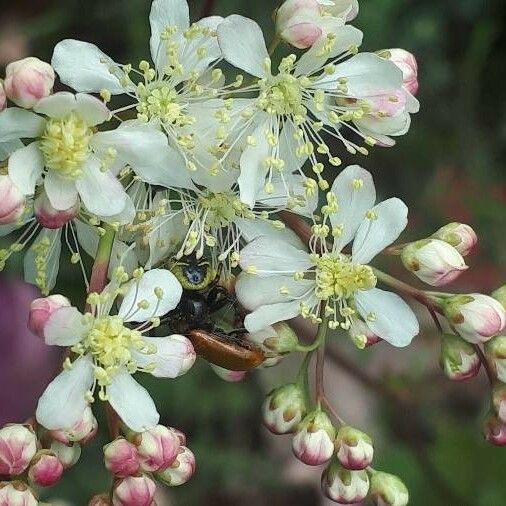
214	209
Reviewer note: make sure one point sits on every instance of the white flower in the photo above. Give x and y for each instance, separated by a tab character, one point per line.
107	351
315	95
281	281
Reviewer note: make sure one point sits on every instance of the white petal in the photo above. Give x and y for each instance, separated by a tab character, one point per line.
91	109
51	260
144	290
63	402
375	235
174	356
353	203
57	105
101	192
84	67
272	313
270	256
25	167
18	124
253	169
251	229
132	402
61	191
242	44
394	321
8	147
65	327
393	125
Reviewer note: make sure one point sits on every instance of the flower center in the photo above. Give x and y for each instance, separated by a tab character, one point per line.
221	209
282	95
338	278
159	101
65	145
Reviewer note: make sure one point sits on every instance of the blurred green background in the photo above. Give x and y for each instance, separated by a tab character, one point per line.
449	167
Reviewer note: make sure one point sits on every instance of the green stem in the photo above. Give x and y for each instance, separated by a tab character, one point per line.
102	259
320	337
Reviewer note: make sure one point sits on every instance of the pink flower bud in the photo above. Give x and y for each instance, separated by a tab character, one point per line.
180	436
100	500
458	359
121	458
157	448
388	490
408	65
42	309
134	491
462	237
298	22
3	97
83	431
362	335
494	430
51	218
12	201
18	445
180	471
67	455
476	317
495	350
313	443
16	493
45	469
284	408
28	80
353	448
499	400
500	295
227	375
343	485
433	261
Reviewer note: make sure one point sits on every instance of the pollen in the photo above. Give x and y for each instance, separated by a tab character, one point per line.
65	145
221	209
158	100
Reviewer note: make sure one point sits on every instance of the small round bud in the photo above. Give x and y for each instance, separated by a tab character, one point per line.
45	469
100	500
353	448
499	400
16	493
18	445
12	201
181	470
388	490
500	295
27	81
408	65
494	430
83	431
49	217
495	350
361	335
298	22
121	458
157	448
313	443
227	375
271	357
433	261
459	235
476	317
3	97
134	491
458	358
343	485
285	340
42	309
68	455
284	408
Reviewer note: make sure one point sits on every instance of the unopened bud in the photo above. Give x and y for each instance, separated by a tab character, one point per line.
499	400
459	235
83	431
68	455
500	295
313	443
343	485
28	80
405	61
45	469
18	445
476	317
16	493
49	217
495	350
42	309
353	448
181	470
100	500
121	458
12	201
284	408
259	338
361	335
458	358
298	22
494	430
134	491
157	448
433	261
285	339
388	490
227	375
